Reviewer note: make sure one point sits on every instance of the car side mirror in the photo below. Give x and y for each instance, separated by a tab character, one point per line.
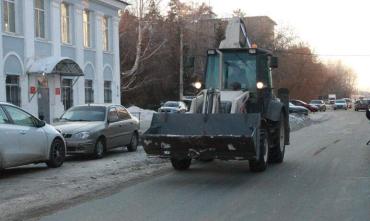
41	123
274	62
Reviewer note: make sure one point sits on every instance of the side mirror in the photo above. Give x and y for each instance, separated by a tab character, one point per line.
274	62
41	123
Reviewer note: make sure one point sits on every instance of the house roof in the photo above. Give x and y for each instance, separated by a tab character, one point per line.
115	3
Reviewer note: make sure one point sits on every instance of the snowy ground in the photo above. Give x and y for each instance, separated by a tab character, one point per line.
27	189
32	189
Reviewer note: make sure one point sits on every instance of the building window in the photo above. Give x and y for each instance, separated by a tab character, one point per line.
67	93
13	90
86	27
65	23
107	92
105	30
9	15
89	92
40	18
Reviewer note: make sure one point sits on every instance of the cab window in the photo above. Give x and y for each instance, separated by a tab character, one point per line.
20	117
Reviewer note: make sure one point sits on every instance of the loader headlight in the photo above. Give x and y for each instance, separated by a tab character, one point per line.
198	85
260	85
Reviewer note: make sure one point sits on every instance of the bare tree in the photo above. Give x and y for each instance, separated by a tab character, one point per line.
144	50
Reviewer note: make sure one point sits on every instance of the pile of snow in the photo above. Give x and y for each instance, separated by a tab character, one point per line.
145	117
298	121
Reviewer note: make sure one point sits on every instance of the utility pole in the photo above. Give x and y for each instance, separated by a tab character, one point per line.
181	84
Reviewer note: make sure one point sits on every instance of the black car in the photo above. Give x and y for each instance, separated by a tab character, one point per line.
362	104
293	109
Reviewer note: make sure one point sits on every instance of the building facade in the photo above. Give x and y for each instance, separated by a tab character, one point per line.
55	54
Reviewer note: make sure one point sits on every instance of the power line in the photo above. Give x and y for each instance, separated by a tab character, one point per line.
324	55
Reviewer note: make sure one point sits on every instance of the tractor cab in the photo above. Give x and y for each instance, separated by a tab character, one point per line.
239	69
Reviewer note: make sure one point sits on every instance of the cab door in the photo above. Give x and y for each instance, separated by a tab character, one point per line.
31	140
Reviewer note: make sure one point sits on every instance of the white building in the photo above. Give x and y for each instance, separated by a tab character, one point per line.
58	53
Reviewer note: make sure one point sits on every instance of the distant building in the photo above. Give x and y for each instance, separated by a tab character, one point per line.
207	32
58	53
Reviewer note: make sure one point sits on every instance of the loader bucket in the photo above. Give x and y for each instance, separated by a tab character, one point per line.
222	136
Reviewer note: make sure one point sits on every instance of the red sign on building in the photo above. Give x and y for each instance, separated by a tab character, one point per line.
57	91
33	90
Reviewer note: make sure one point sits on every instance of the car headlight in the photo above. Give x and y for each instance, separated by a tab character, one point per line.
82	135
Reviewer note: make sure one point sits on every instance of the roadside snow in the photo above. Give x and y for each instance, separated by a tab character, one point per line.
298	121
145	117
25	191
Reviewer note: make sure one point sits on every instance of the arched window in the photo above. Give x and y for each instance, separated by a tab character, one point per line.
13	69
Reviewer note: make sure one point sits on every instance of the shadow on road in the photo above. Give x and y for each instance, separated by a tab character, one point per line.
108	155
218	173
17	171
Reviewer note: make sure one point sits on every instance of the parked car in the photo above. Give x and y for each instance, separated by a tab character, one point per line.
93	129
173	107
320	104
293	109
340	104
24	139
304	104
362	104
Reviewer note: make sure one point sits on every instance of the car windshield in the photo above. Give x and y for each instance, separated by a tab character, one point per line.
85	113
171	104
340	101
315	102
239	71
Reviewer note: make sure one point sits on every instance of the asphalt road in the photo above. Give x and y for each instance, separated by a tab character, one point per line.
325	176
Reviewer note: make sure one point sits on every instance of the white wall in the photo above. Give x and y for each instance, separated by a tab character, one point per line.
53	18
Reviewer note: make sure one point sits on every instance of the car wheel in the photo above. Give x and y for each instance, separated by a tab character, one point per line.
99	148
260	164
132	147
181	164
57	154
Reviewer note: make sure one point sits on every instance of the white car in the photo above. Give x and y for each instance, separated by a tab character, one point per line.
24	139
173	107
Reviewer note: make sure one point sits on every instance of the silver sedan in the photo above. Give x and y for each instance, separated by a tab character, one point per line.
24	139
94	129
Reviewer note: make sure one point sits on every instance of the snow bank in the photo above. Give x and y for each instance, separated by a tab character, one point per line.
145	117
298	121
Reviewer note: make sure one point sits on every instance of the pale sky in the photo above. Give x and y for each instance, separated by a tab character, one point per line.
331	27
